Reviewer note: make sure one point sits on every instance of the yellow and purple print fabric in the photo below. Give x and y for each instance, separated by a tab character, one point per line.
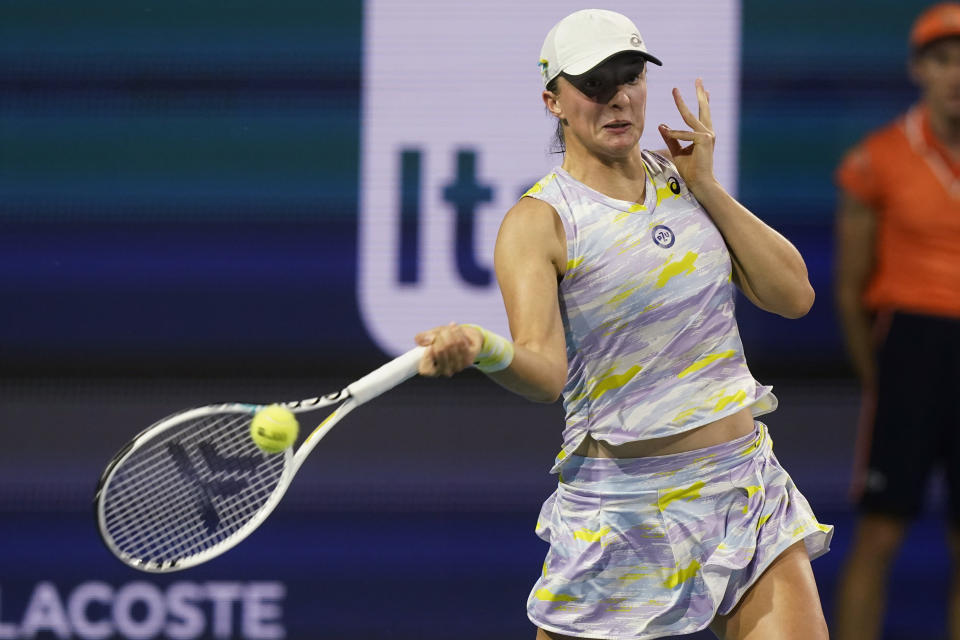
647	303
653	547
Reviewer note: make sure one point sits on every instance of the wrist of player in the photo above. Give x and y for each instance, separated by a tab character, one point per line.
706	188
496	352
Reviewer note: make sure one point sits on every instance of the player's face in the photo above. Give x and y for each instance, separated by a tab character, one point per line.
605	107
937	71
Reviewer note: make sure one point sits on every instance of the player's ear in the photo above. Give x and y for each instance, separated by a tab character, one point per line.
552	102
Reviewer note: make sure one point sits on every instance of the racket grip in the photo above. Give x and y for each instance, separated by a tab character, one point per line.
386	377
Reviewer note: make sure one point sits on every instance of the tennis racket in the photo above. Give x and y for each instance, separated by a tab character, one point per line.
194	485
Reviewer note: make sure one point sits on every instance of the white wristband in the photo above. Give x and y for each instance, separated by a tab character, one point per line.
496	354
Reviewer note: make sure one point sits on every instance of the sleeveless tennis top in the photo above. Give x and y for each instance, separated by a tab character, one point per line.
647	304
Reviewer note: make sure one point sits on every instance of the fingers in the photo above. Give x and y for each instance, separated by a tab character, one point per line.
680	134
672	137
426	367
703	101
685	112
702	135
425	338
449	350
672	145
703	122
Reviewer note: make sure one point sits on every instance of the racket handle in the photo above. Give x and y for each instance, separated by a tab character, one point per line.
386	377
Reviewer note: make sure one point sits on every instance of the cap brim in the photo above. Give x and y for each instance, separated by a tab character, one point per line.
924	43
584	65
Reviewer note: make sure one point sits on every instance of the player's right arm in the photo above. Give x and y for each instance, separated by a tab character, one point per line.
530	257
855	237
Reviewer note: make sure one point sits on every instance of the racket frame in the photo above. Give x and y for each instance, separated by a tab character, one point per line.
366	388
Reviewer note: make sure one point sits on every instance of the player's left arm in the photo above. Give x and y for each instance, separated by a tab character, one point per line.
767	268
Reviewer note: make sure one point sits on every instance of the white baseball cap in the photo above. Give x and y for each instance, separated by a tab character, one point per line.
586	38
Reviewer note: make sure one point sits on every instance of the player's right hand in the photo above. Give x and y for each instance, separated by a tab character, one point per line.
449	349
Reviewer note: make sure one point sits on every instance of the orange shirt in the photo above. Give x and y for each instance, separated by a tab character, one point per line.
912	184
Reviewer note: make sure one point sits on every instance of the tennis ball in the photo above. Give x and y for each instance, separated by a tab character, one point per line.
274	428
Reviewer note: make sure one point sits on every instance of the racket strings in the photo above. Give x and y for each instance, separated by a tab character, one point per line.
149	520
190	489
155	500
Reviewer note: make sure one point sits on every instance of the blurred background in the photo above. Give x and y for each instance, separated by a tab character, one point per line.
180	202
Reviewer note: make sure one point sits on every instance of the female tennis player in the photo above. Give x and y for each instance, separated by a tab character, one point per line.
617	271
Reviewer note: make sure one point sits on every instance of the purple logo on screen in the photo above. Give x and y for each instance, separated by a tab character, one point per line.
663	236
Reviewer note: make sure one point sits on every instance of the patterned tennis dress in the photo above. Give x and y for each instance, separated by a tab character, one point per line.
653	547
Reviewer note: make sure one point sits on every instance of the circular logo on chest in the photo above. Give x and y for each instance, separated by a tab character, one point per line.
663	236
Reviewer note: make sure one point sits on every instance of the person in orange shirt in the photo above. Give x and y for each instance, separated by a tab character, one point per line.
898	293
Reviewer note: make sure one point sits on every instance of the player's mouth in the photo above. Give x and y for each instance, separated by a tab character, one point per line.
617	126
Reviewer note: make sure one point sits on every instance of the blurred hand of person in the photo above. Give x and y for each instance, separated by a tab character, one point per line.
450	349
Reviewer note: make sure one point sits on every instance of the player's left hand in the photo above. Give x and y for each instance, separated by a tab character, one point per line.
695	161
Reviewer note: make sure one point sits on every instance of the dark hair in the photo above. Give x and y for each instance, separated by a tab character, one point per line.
559	144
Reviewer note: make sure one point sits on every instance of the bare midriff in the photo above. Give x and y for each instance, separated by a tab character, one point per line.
723	430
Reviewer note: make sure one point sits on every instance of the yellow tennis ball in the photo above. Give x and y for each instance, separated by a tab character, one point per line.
274	428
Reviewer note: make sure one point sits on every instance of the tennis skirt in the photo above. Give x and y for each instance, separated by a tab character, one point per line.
654	547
